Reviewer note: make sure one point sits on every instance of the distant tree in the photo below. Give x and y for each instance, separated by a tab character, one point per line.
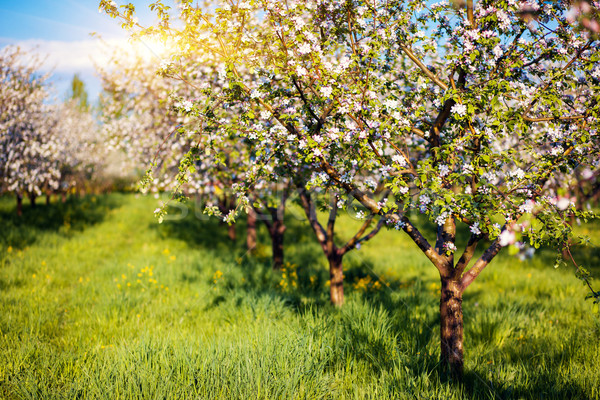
78	93
28	149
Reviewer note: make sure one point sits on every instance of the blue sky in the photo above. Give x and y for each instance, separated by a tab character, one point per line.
60	29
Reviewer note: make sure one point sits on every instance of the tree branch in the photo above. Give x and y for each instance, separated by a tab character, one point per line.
467	254
423	67
357	239
311	214
470	15
372	206
480	264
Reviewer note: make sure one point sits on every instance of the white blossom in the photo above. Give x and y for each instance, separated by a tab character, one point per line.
459	109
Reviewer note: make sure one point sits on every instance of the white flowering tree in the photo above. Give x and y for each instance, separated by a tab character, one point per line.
28	147
326	235
135	114
465	112
81	152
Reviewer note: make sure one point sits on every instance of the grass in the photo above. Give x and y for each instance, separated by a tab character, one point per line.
98	301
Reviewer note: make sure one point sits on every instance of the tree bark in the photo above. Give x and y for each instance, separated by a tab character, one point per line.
336	279
251	231
231	232
48	198
32	198
451	328
19	204
276	232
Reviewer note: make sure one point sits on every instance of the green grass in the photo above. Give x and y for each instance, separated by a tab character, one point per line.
206	321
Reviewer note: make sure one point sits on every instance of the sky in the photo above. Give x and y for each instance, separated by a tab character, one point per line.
60	30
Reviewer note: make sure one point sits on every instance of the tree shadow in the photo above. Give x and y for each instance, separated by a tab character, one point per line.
408	324
205	233
544	379
65	218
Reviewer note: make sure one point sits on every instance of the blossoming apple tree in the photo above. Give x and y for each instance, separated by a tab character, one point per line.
465	112
28	149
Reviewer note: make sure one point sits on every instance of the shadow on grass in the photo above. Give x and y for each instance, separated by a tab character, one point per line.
74	215
397	322
208	234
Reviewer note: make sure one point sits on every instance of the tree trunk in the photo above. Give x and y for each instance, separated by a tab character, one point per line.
336	280
251	231
276	232
19	204
231	232
451	329
63	197
32	198
48	198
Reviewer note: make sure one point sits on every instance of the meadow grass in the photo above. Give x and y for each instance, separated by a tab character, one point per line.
98	301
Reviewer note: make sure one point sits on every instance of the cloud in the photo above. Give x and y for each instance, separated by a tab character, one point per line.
83	55
63	59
